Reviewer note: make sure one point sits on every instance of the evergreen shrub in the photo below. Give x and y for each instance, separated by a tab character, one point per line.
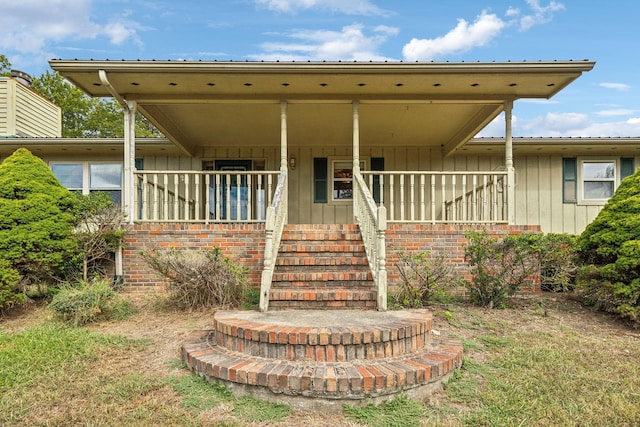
610	249
36	220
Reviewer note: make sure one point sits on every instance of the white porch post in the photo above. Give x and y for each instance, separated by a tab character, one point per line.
511	174
128	192
356	152
356	137
283	136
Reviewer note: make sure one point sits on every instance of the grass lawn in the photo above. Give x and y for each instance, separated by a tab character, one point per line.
544	360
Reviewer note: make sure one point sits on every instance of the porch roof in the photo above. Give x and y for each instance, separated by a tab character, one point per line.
199	104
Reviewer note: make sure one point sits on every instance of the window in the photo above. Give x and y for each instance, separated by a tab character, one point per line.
106	178
88	177
342	179
337	180
598	179
592	180
69	175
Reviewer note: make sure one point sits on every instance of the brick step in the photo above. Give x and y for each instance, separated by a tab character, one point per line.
321	261
319	269
319	299
322	276
319	285
306	247
356	355
286	305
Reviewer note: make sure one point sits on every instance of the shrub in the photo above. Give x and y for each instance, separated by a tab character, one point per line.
555	257
98	231
610	249
36	220
499	267
424	278
200	279
9	279
89	302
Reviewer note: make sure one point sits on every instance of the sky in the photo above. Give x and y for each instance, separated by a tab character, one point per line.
604	102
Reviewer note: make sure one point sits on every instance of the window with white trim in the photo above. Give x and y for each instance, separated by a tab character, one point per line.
342	179
90	177
598	179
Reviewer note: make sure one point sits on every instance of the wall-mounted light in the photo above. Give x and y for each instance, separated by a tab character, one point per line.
292	162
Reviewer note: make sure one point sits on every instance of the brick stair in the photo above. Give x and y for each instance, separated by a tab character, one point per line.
322	266
332	357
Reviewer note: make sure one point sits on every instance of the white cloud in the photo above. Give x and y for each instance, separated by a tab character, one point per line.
616	112
462	38
563	125
540	14
351	43
349	7
29	26
616	86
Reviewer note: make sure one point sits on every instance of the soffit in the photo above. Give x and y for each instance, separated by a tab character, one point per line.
200	104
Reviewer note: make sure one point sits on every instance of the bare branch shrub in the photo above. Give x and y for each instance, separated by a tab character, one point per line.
200	279
424	278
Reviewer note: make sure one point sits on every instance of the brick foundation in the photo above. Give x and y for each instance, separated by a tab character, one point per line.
440	239
243	243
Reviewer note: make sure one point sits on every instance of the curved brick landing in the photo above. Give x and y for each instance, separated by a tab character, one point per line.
332	357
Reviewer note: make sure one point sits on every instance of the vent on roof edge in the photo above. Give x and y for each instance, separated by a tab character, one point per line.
22	77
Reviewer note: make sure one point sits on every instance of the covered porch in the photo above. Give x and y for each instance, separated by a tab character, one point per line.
327	129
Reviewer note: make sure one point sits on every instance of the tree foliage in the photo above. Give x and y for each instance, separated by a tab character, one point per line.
36	219
610	246
5	66
85	117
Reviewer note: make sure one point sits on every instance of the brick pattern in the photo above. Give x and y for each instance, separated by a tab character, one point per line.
318	254
330	344
322	266
440	239
243	243
331	363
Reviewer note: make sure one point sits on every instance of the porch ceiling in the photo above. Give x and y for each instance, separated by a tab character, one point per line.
202	104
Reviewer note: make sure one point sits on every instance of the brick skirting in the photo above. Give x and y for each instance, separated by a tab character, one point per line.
243	243
440	239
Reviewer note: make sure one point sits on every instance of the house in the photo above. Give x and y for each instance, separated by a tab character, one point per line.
257	150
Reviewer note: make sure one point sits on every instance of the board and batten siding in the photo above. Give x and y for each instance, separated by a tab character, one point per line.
538	187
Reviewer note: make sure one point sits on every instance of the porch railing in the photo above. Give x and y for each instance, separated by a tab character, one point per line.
203	196
440	197
373	224
275	222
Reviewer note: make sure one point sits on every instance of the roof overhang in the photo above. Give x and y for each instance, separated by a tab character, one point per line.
77	148
204	104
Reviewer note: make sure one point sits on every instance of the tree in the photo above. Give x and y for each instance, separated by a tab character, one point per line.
610	248
76	106
85	117
5	66
36	220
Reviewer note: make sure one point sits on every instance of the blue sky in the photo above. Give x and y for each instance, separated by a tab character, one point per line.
603	102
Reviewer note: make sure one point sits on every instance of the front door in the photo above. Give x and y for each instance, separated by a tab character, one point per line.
229	192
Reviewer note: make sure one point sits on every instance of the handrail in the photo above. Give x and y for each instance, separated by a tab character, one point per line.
274	226
372	221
